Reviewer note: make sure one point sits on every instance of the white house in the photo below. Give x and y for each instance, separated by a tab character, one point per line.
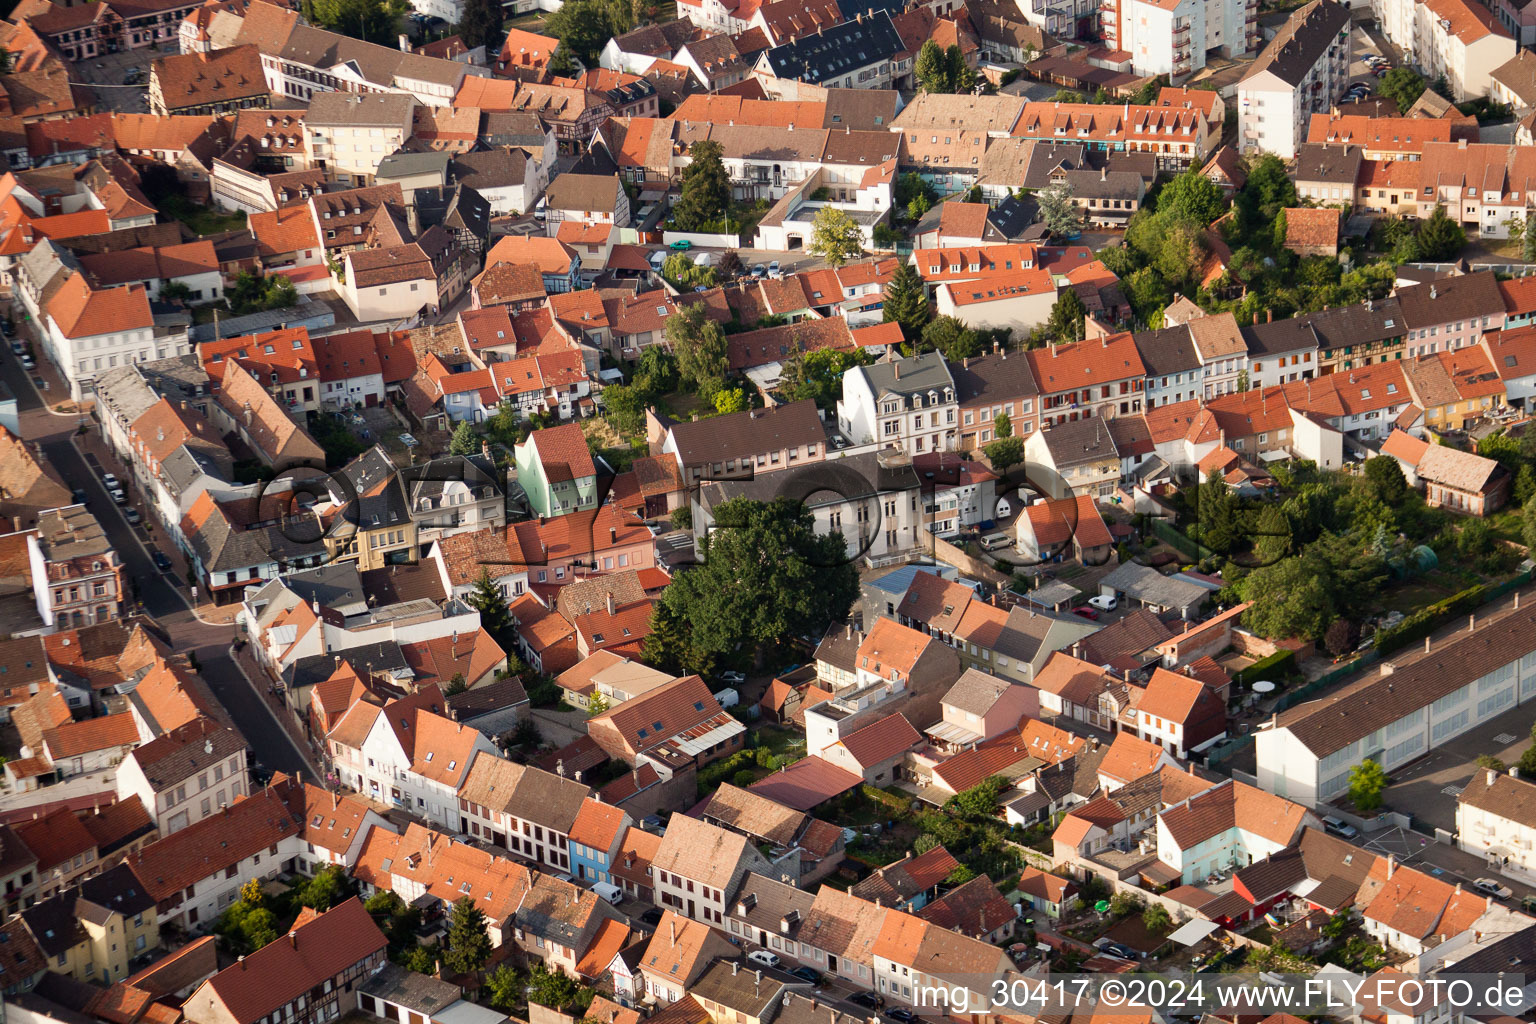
1302	71
1460	39
1228	827
408	754
187	774
85	331
905	403
1496	820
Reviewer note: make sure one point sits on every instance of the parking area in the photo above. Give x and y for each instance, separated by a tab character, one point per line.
1428	788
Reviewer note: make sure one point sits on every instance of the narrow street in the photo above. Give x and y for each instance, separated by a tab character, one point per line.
158	593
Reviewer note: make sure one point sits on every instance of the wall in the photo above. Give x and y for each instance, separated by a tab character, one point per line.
700	238
975	568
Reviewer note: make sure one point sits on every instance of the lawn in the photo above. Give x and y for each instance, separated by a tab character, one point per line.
202	220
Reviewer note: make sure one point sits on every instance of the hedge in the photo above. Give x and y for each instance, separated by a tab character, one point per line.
895	803
1282	662
1429	618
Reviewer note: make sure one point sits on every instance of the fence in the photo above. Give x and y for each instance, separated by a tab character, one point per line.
1184	544
1227	749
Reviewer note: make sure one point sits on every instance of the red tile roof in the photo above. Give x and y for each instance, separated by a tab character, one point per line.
1085	364
882	740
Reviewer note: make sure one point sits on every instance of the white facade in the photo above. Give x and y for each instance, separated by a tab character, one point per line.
1459	39
80	359
1287	767
916	421
189	801
381	770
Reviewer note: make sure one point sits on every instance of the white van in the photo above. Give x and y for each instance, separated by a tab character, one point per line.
612	893
993	541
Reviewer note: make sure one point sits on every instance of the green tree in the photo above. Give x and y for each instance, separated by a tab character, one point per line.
252	293
480	23
703	354
1057	211
1217	512
818	375
505	987
731	400
670	645
1491	763
1440	238
979	803
596	705
765	574
706	185
373	21
932	69
835	237
1528	240
1367	781
1067	316
1403	85
251	894
326	889
1156	919
1192	196
1268	190
906	303
1385	479
1528	523
1288	601
1002	425
1004	452
1340	637
625	407
171	291
952	338
656	370
1525	483
554	989
464	442
495	618
420	959
585	26
469	944
1271	535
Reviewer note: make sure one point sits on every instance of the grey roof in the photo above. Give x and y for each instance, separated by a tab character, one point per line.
182	753
839	647
840	50
359	109
512	128
125	394
491	168
746	433
1302	41
993	377
1329	163
1046	158
919	373
337	585
868	109
1452	298
177	376
391	584
427	479
380	657
1143	583
221	545
315	313
404	164
662	40
1106	184
186	465
742	989
420	992
1079	442
456	207
1165	351
487	700
1292	334
1014	216
802	1009
899	581
765	903
975	691
819	483
1049	595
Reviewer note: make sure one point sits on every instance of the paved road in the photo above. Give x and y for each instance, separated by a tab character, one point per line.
158	593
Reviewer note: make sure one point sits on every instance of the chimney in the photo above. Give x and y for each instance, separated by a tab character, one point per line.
1391	865
293	939
1471	622
1426	645
897	365
673	926
1386	668
1491	775
610	602
405	44
734	968
242	963
613	534
759	974
1269	316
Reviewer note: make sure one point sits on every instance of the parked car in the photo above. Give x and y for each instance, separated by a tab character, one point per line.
39	383
759	271
162	561
651	917
1493	888
1104	604
734	678
110	481
1339	827
773	268
866	999
132	515
17	348
119	496
764	958
809	974
1122	951
681	245
28	363
901	1014
1086	612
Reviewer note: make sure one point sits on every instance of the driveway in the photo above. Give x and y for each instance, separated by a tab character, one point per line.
1428	787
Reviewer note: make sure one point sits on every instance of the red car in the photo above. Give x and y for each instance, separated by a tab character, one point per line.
1086	612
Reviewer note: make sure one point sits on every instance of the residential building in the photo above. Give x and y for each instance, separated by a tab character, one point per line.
1228	826
1076	458
1100	378
679	952
312	975
1180	713
1495	817
746	444
989	386
1460	39
587	199
94	930
1302	71
866	53
1173	39
906	403
1449	478
77	576
1418	700
596	838
208	82
980	707
523	809
698	866
556	472
694	729
187	774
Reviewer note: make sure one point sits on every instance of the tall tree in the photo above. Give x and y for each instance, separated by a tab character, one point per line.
952	338
1402	85
464	441
1385	479
706	187
1367	781
1004	452
906	303
835	237
585	26
469	943
1002	425
480	23
703	354
766	574
931	69
1440	237
373	21
1057	211
1192	196
495	618
1067	316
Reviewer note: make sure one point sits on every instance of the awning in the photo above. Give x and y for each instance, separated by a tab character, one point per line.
1191	932
949	732
1276	455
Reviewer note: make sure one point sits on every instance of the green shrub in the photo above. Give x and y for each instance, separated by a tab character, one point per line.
1280	663
1427	619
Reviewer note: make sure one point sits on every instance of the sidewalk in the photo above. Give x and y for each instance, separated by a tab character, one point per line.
261	681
